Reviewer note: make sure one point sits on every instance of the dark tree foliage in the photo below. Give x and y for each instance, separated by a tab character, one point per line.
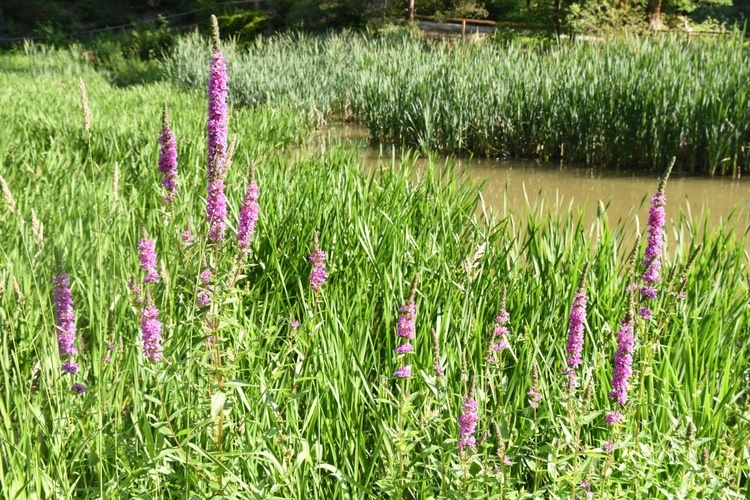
63	17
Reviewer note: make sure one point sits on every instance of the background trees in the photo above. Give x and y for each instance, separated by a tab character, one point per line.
50	18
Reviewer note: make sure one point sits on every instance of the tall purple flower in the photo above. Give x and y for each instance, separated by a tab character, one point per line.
406	324
499	341
623	361
217	125
65	321
65	318
151	332
205	282
248	214
187	237
439	370
147	256
534	395
318	275
216	209
168	157
406	327
69	367
653	253
205	276
575	330
467	424
403	371
613	417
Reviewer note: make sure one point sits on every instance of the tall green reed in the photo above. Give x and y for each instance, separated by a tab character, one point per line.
627	103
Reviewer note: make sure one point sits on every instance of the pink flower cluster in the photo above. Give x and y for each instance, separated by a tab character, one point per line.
467	423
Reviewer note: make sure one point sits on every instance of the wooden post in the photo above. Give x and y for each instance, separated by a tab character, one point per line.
411	10
463	27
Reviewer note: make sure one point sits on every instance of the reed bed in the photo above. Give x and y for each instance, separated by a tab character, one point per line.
630	103
284	384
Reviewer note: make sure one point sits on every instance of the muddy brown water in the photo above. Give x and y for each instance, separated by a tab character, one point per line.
511	187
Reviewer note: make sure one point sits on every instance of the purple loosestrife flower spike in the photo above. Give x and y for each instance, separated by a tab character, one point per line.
623	360
534	395
403	371
205	276
187	237
499	340
147	256
135	289
248	214
217	126
406	325
79	388
65	321
203	299
439	370
216	209
168	157
151	332
656	220
467	424
404	348
406	322
70	367
534	398
318	275
65	318
613	417
575	329
110	348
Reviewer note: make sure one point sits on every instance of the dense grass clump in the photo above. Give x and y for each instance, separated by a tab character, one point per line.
273	389
628	103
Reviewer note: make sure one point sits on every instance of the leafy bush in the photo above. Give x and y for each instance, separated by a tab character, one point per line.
243	25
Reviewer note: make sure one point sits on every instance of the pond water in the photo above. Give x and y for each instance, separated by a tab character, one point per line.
512	186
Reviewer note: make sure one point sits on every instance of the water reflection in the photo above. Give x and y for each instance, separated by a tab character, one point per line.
512	185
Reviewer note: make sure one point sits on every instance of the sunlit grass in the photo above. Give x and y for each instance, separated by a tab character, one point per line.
317	414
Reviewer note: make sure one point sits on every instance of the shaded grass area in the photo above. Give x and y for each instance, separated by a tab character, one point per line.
316	413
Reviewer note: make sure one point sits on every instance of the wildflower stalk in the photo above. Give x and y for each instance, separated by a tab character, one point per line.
216	128
10	202
168	158
65	322
498	342
650	345
467	423
86	110
576	325
248	214
318	273
574	348
406	330
652	255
